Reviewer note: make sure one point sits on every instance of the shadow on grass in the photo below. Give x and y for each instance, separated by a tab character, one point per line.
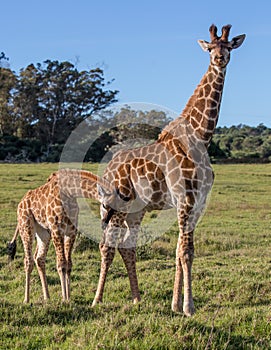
187	331
45	314
216	338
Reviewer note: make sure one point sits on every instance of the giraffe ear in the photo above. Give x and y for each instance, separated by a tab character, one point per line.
204	45
237	41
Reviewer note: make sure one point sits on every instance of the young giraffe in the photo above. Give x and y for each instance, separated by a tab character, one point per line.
51	211
175	172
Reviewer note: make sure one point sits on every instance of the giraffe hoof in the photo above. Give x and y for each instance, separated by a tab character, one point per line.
136	300
189	309
95	302
175	307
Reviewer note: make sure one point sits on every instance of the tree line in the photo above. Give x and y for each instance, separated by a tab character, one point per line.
40	106
242	143
44	103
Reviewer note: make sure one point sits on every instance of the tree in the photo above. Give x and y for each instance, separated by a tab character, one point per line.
4	58
265	148
126	128
26	102
52	99
245	143
135	125
7	84
215	152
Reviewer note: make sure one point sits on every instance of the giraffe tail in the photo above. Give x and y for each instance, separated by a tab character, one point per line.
11	246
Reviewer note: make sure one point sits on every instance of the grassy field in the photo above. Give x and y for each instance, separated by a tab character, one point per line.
231	278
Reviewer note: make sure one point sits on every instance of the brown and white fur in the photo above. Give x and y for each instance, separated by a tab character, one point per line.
51	212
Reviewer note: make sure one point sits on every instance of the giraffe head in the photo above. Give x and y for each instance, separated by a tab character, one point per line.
111	202
220	47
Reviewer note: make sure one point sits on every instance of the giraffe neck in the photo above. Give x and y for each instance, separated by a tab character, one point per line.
83	187
80	183
202	109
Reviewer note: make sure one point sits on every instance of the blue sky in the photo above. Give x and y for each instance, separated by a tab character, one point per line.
149	47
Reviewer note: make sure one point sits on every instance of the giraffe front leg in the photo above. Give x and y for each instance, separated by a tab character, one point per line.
186	257
107	255
58	240
127	250
129	257
61	268
183	277
176	305
184	260
69	242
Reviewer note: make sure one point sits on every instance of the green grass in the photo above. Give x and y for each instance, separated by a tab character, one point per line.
231	278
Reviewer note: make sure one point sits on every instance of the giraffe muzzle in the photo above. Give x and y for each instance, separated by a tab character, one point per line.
107	218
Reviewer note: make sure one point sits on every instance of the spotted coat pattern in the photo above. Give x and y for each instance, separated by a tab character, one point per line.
174	172
51	212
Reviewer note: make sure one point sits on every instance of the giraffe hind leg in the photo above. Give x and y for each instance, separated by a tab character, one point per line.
11	248
43	241
27	235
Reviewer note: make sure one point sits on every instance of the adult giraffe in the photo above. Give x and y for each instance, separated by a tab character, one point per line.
175	172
